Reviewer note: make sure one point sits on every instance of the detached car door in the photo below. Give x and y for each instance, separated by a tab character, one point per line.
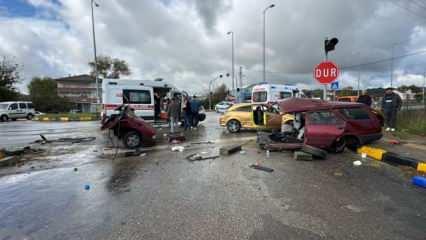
323	128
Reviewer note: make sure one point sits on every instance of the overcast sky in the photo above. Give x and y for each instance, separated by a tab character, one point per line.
185	41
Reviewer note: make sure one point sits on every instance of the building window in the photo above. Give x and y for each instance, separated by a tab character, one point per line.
136	97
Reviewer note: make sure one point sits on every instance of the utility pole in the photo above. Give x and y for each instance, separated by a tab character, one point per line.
424	85
98	99
264	40
359	79
241	77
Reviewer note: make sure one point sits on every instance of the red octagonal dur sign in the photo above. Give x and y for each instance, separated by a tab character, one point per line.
326	72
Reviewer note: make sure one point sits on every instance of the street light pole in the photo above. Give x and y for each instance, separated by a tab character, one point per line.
210	90
233	60
94	51
264	40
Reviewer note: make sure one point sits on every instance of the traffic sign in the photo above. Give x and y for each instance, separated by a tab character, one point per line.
334	85
326	72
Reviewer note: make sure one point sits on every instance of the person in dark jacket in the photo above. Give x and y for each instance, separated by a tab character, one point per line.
173	113
391	104
157	106
365	98
195	108
187	113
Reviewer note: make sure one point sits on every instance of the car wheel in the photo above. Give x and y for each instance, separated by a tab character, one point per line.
30	116
339	145
132	140
4	118
233	126
352	143
316	152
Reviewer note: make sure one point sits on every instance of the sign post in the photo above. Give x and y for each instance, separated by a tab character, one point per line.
326	72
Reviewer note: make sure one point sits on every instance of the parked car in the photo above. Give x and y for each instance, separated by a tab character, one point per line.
252	116
221	107
15	110
333	125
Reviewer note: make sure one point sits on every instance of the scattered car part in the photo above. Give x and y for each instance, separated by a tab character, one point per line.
314	151
302	156
228	150
262	168
283	146
357	163
197	157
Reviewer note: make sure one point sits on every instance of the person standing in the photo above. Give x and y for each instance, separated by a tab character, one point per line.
157	106
391	104
195	108
186	109
173	113
365	98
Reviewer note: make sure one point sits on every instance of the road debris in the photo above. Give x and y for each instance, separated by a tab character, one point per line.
136	153
203	142
75	169
178	149
419	181
283	146
198	157
87	187
228	150
262	168
315	152
44	140
302	156
242	152
357	163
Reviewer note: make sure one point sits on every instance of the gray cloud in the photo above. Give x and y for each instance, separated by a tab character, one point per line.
185	41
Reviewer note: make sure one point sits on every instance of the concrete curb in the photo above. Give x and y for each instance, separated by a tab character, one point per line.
65	119
392	158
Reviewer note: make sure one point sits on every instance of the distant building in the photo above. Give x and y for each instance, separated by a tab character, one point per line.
80	90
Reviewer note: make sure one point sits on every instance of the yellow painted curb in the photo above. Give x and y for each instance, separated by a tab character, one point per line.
65	119
421	167
375	153
85	118
45	119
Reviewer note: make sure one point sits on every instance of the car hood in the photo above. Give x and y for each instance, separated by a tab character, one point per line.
294	105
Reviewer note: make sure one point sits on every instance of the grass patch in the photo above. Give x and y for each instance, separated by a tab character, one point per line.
412	122
69	116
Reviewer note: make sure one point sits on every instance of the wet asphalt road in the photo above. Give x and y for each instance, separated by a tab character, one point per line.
163	196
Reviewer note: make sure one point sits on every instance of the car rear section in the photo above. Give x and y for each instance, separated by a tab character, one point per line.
362	124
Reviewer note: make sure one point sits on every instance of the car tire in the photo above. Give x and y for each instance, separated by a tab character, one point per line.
132	140
316	152
30	116
339	145
233	126
4	118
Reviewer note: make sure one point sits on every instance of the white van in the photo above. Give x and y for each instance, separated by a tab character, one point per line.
273	93
15	110
139	94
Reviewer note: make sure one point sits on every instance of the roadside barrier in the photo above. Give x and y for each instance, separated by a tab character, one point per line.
66	119
392	158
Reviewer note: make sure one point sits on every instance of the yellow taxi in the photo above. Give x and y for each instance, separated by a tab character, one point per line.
252	116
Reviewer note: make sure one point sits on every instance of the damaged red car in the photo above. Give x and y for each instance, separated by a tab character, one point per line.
331	125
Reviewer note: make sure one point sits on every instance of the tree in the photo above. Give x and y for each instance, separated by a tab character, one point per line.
110	67
9	75
44	95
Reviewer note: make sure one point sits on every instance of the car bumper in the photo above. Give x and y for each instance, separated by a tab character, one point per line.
368	138
222	122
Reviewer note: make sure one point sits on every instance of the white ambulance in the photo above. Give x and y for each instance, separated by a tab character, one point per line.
273	93
139	94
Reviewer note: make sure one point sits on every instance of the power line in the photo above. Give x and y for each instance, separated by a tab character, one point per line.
408	9
385	60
